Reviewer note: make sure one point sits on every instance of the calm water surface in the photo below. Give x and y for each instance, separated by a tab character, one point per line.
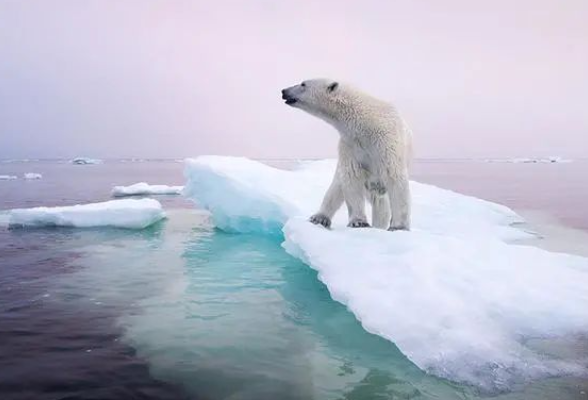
182	311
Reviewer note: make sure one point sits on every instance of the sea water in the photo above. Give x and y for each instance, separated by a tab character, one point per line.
181	310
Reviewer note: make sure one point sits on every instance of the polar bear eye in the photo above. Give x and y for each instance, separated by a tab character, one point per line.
303	84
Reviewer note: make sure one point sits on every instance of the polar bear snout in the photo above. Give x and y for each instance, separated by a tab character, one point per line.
289	95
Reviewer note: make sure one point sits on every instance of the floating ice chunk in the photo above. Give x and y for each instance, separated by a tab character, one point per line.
85	161
32	176
144	189
8	177
127	213
555	159
247	196
460	309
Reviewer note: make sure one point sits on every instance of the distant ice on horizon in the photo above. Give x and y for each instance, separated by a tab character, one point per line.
524	160
85	161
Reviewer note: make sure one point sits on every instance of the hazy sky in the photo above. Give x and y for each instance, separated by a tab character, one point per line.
145	78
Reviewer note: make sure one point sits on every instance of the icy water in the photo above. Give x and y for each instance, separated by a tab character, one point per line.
183	311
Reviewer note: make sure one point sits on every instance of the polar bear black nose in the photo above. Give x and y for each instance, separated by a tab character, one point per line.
287	95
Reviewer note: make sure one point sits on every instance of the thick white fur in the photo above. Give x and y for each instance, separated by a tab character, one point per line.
374	153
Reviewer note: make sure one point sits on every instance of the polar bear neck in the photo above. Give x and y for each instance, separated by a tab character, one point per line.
357	115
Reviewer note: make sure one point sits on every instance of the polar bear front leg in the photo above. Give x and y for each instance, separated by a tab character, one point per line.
355	200
331	203
353	186
399	194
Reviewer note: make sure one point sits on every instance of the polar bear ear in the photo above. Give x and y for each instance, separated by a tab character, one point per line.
332	86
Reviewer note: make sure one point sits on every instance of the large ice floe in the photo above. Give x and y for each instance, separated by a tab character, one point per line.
144	189
126	213
8	177
455	294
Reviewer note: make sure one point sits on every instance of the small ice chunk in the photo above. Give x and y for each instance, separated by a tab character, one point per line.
32	176
85	161
144	189
7	177
126	213
555	159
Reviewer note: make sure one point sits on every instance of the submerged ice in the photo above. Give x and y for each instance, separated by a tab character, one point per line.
456	296
127	213
144	189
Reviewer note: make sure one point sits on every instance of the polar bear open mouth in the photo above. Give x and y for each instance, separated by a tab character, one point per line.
289	99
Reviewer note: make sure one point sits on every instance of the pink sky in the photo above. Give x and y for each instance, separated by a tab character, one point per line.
146	78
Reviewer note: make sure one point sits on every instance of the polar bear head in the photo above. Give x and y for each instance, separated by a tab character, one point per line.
319	97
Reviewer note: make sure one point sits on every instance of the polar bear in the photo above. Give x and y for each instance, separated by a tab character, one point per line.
374	153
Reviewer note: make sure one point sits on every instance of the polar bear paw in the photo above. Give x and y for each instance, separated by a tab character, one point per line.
358	223
398	228
321	219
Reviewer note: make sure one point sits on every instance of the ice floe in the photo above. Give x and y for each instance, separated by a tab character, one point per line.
455	294
32	176
85	161
144	189
126	213
526	160
8	177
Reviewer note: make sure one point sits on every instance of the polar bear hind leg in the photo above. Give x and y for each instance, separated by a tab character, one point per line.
380	210
399	196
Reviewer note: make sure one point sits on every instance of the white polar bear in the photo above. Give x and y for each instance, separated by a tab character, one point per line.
374	153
